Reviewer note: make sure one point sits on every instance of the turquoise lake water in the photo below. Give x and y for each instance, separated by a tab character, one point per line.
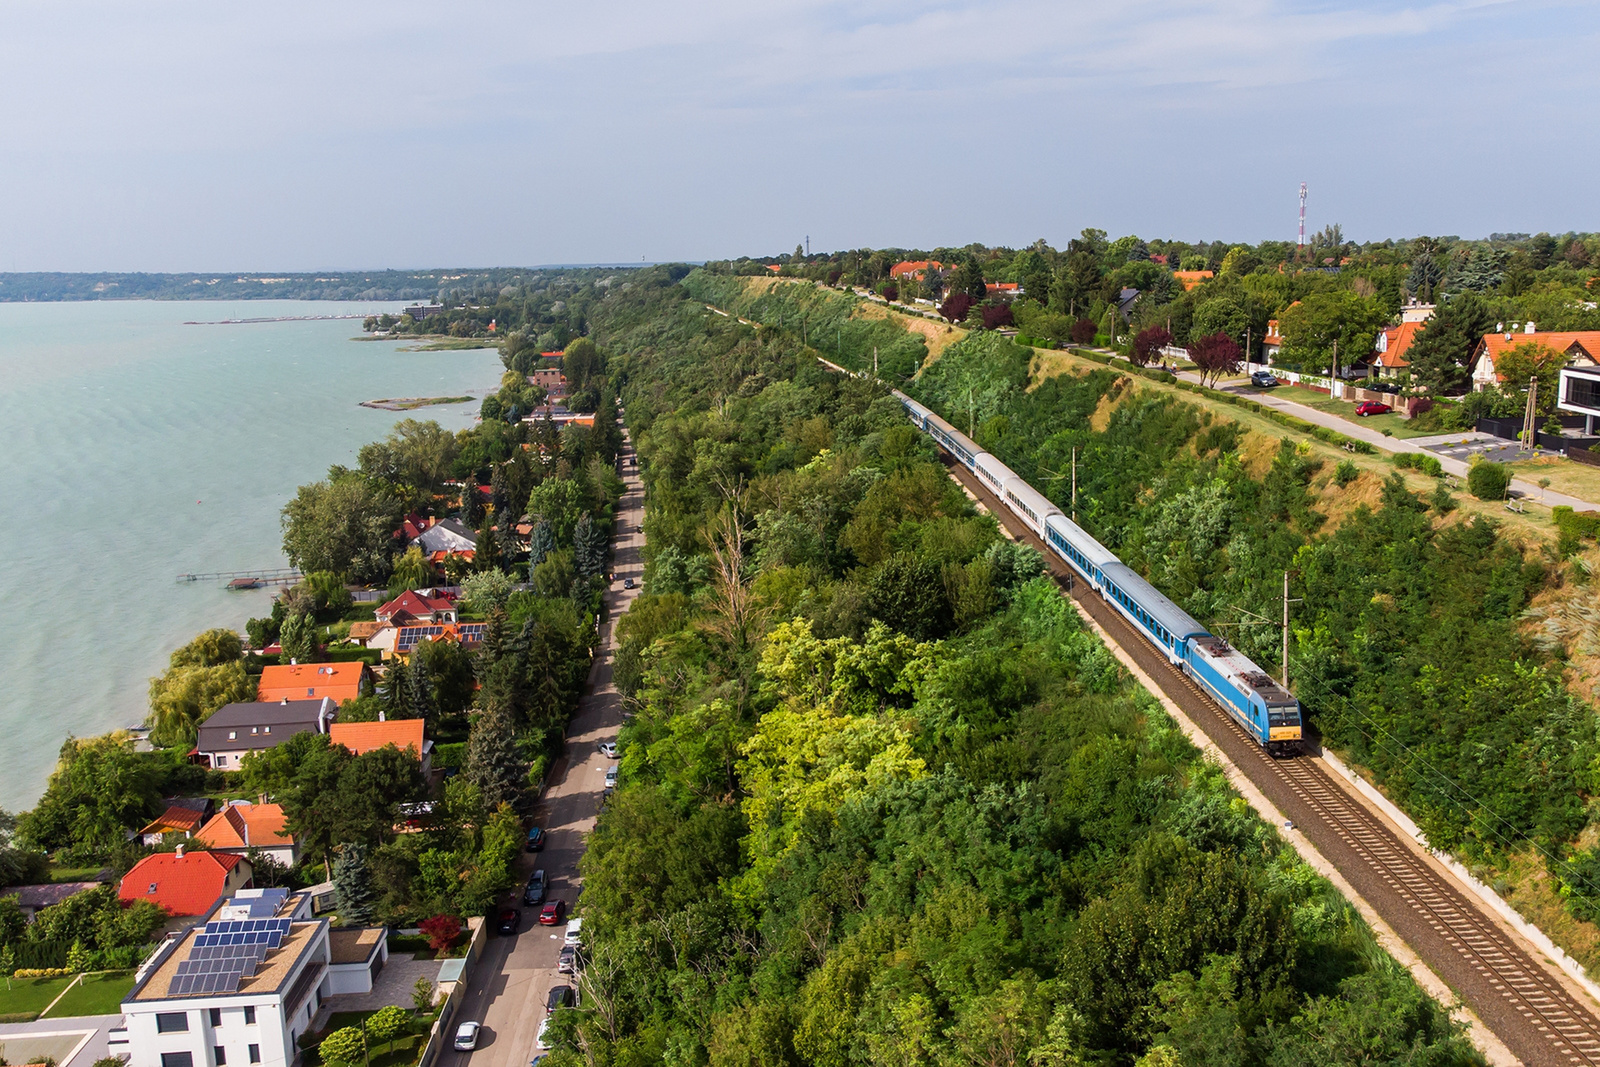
136	448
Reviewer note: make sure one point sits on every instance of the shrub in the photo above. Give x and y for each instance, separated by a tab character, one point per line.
1083	331
1419	461
1574	527
1346	472
1489	481
441	931
43	972
1441	500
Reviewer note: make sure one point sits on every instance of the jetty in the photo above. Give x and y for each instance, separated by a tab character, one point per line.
247	579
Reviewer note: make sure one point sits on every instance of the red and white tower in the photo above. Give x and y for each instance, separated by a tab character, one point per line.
1302	243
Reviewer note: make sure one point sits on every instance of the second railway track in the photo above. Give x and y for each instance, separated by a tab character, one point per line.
1527	1006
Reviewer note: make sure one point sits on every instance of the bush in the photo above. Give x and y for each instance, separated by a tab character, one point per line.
1574	527
1489	481
1419	461
1346	472
43	972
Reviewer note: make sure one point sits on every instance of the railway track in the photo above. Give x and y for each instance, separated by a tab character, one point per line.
1527	1006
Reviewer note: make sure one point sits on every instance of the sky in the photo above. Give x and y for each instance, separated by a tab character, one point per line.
177	136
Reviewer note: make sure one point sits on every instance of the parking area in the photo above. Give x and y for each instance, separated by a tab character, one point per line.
1464	446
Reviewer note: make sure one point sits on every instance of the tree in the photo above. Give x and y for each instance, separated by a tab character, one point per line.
352	886
968	279
557	502
183	697
210	648
1426	271
388	1023
1442	347
589	545
416	458
487	590
956	306
101	788
889	291
582	361
441	932
346	1047
1148	342
411	571
1340	317
1531	361
908	593
493	763
422	992
336	799
996	316
1083	331
541	542
298	638
18	865
78	958
345	525
1215	356
443	672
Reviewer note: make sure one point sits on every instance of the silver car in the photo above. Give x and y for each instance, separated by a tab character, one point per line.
467	1036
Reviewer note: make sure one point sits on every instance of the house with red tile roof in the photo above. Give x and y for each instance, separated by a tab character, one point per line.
412	608
183	882
1003	290
403	734
914	269
313	681
184	815
1391	349
1192	278
242	826
1576	346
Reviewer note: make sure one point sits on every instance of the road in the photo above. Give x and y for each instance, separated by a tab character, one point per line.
509	984
1530	1005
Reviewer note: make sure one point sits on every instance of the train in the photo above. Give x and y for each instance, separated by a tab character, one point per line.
1267	711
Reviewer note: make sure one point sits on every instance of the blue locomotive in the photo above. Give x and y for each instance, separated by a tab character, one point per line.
1267	711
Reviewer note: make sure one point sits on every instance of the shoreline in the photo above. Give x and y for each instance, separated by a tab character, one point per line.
411	403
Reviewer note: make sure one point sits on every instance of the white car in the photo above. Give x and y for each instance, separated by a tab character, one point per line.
608	749
611	777
467	1036
574	929
544	1027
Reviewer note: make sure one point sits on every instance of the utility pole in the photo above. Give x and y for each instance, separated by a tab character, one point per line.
1074	483
874	361
1286	603
1529	430
970	409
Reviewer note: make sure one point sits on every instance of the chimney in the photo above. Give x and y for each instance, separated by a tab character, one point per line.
1528	327
292	662
179	852
325	714
380	717
285	700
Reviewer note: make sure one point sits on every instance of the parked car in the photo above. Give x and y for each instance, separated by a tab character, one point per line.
611	777
559	997
467	1036
1372	407
536	840
1263	379
608	749
574	931
534	893
567	962
543	1029
627	583
510	921
552	913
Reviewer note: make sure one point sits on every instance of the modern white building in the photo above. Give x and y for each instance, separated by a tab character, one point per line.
242	987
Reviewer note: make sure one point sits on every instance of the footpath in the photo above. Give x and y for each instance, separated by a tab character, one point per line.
509	985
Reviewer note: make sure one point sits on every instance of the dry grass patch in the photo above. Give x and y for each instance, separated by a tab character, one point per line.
1525	883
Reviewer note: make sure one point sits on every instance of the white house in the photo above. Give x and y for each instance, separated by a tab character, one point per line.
447	536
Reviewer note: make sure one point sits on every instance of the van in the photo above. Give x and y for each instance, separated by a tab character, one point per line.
574	930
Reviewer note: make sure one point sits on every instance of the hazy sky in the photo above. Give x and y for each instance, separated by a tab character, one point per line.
211	136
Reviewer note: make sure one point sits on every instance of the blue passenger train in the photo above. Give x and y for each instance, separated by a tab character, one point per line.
1267	711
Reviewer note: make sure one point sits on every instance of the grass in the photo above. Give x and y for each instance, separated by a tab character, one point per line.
1566	476
29	996
72	874
1399	428
403	1053
97	994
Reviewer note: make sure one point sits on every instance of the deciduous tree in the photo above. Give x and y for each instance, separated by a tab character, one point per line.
1148	342
1215	356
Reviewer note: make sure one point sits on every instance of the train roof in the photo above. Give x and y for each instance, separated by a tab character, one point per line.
1092	550
1178	622
1037	501
1242	670
962	439
908	402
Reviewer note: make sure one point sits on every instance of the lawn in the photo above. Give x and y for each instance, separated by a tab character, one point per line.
97	994
23	999
1398	427
1566	476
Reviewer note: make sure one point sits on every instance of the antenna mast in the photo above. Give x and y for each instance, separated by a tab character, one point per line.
1302	244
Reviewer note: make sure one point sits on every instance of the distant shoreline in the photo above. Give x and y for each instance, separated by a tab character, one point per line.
275	318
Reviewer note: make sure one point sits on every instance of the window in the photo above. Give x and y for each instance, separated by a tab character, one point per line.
233	735
216	1016
254	730
171	1022
250	1015
219	1055
266	729
177	1059
255	1053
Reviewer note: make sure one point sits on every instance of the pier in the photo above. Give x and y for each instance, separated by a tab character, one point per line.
247	579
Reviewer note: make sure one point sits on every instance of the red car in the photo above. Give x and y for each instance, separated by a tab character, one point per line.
1372	407
552	913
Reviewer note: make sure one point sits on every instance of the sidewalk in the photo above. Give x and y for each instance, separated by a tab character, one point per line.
1356	431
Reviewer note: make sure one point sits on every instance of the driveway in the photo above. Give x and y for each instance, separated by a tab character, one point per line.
509	984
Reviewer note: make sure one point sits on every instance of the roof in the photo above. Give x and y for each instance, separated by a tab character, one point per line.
1192	278
186	884
34	897
1002	287
176	817
312	681
354	944
258	724
245	825
270	976
1394	343
1179	623
447	534
361	631
462	633
1561	340
361	737
415	604
913	266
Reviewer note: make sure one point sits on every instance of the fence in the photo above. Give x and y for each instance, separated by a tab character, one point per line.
1583	454
1511	430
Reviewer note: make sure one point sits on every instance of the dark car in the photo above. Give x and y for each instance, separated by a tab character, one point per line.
1372	407
567	962
534	893
536	840
627	583
510	921
553	912
559	997
1263	379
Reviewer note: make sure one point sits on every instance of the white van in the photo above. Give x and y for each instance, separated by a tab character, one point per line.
574	930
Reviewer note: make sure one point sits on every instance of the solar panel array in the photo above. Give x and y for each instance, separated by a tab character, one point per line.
412	636
224	953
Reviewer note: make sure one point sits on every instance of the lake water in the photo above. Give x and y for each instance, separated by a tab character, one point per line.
137	448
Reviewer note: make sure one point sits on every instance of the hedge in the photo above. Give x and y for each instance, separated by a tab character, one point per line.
1419	461
1574	526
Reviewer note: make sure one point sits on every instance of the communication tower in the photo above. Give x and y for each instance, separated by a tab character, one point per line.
1302	243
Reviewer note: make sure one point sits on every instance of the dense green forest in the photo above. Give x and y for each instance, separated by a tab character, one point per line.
885	801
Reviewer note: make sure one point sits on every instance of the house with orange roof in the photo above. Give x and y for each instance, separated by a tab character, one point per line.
1192	278
184	883
1003	290
313	681
242	826
403	734
1578	347
183	815
449	537
413	607
1391	347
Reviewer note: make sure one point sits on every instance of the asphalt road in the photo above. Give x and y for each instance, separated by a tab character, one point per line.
509	984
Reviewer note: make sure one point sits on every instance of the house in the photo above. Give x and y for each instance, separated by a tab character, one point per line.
185	1009
241	826
363	632
33	899
234	730
313	681
914	269
1125	302
183	882
356	956
449	536
403	734
1007	291
1578	346
1391	349
183	815
466	634
1272	343
1192	278
1579	388
550	379
413	607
